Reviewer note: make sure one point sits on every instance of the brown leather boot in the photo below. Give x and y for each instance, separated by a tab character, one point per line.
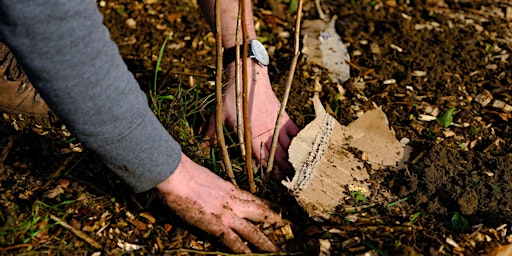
17	95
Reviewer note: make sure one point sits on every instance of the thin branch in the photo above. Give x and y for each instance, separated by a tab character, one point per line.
218	94
321	13
286	93
5	152
245	95
76	232
238	86
63	166
177	251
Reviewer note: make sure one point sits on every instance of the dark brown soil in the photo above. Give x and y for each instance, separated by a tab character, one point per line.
457	186
449	178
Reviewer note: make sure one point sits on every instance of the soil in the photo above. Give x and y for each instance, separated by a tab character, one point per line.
454	197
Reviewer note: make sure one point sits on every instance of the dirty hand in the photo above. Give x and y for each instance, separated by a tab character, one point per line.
263	109
214	205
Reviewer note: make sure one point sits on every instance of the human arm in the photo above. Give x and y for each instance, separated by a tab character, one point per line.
70	59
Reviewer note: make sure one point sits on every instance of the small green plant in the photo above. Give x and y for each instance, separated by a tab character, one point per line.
398	243
294	5
187	105
474	130
57	206
495	187
488	51
336	104
358	196
446	118
155	98
401	200
474	184
123	12
29	225
158	62
459	222
71	140
415	217
263	39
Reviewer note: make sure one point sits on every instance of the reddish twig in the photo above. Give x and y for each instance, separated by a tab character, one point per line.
218	94
245	96
5	152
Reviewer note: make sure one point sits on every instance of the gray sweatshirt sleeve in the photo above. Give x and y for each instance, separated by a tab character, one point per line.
69	57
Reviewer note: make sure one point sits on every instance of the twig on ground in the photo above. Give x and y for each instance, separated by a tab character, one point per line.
472	11
218	95
5	151
76	232
321	13
245	96
63	166
358	208
286	92
12	247
176	251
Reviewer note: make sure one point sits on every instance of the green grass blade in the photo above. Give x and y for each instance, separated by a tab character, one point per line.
159	61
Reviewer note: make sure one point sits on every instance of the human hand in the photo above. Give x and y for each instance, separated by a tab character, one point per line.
214	205
263	110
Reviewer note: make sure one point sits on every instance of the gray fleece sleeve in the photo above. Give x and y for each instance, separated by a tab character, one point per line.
69	57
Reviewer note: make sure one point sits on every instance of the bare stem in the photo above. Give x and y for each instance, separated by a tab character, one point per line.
245	95
218	95
76	232
238	87
286	93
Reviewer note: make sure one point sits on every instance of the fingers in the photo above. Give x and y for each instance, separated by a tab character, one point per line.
282	161
233	241
292	128
214	205
234	222
255	209
261	150
226	235
288	131
210	223
258	212
253	234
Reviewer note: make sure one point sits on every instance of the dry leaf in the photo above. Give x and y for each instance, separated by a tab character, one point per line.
127	247
323	47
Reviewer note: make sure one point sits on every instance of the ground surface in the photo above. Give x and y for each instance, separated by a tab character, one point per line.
455	196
